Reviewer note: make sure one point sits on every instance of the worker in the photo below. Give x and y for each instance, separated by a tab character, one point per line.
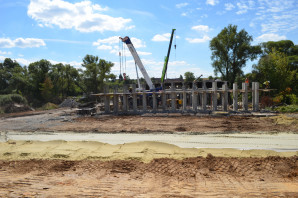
266	83
247	80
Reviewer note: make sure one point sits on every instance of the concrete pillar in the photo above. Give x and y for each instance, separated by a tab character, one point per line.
154	101
125	101
163	98
134	98
173	98
107	99
257	86
144	100
245	96
194	98
253	96
204	97
225	97
214	96
116	101
235	97
184	98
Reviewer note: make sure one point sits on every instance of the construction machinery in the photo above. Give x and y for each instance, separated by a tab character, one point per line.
165	67
138	62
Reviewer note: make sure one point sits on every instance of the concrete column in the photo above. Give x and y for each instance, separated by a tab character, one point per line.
125	101
245	96
134	98
163	98
116	101
225	97
107	99
184	98
253	96
257	86
235	97
204	97
144	100
154	101
214	96
173	98
194	98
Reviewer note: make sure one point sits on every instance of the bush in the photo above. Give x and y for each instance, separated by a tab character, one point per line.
12	98
288	109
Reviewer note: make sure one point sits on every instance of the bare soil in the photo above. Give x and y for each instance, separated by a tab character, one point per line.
165	177
192	177
67	120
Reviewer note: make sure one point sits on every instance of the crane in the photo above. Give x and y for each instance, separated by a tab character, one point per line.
164	71
138	61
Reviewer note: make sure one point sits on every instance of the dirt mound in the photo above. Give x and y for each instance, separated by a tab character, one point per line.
69	102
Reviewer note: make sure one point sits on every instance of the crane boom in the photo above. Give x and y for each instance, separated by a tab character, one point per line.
165	66
138	61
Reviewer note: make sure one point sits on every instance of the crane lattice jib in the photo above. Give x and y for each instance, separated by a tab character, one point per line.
165	66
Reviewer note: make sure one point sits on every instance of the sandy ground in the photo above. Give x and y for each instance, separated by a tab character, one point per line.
93	169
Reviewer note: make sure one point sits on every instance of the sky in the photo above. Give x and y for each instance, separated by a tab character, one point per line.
64	31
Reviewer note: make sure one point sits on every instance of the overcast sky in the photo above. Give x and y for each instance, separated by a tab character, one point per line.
66	30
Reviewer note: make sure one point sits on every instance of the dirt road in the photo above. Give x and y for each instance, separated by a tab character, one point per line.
67	120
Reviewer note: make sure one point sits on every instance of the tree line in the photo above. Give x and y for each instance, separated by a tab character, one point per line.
42	81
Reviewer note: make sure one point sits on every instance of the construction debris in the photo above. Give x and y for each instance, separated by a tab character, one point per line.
69	102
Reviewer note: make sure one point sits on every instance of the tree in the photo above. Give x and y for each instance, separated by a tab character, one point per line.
97	70
274	67
285	46
47	89
13	77
189	77
278	64
230	51
37	74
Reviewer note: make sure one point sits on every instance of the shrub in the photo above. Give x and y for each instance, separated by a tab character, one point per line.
288	109
12	98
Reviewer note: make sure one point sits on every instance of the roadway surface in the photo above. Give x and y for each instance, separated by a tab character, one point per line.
244	141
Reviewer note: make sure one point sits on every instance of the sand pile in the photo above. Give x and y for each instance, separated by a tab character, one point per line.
142	151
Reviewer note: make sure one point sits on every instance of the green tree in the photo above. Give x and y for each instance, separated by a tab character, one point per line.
96	72
274	67
230	51
47	89
285	46
189	77
38	72
63	78
13	77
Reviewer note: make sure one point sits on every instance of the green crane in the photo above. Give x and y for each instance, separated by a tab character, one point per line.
165	66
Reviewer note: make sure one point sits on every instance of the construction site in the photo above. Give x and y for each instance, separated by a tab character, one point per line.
165	139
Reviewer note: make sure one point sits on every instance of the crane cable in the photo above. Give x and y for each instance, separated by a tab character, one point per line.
120	55
124	60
